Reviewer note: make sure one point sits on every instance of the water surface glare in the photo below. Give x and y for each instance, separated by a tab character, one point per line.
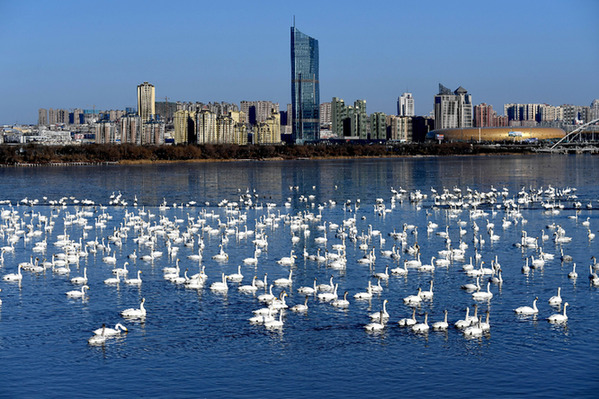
199	343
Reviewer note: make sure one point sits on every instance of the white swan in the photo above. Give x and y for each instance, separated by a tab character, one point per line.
18	276
108	332
276	323
328	296
407	322
475	330
441	325
559	318
400	271
308	290
376	315
113	280
413	299
236	277
135	313
80	279
573	274
121	271
382	276
300	307
249	288
341	303
77	293
134	281
421	327
365	295
465	322
527	310
483	295
556	300
267	297
220	286
427	294
376	325
286	282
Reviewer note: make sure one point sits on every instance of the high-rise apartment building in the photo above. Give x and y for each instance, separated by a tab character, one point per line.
595	109
42	118
325	114
399	128
453	110
378	126
351	121
305	87
184	123
146	101
131	128
269	131
258	111
485	116
405	105
106	132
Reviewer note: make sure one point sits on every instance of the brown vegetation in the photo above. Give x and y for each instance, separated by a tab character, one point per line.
99	153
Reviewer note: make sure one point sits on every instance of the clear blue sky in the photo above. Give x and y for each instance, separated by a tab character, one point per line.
76	54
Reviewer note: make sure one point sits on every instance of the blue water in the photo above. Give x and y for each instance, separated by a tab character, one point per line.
197	343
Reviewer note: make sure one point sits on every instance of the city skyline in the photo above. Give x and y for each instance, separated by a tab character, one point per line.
65	56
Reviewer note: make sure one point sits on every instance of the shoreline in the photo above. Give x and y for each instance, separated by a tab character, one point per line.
98	154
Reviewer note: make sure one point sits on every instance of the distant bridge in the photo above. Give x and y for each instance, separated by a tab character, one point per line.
574	133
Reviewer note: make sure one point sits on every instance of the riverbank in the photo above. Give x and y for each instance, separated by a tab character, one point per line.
38	155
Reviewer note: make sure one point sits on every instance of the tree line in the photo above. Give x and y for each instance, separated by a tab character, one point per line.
99	153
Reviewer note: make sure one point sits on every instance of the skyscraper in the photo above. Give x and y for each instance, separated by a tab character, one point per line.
305	87
146	101
453	110
405	105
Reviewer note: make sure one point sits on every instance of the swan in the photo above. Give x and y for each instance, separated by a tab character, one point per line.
262	318
427	294
326	287
18	276
328	296
267	297
80	279
286	282
475	330
341	303
108	332
77	293
169	270
109	259
196	257
272	324
252	261
414	299
441	325
527	310
382	276
287	260
497	279
300	307
564	258
113	280
421	327
121	271
376	315
407	322
249	288
483	295
526	268
573	274
365	295
279	303
399	271
378	288
376	325
262	283
465	322
308	290
221	256
220	286
135	313
485	326
134	281
236	277
556	300
558	317
472	287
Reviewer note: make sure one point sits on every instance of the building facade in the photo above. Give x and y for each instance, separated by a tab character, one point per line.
399	128
106	132
405	105
269	131
378	126
42	117
305	87
453	110
184	125
146	101
131	127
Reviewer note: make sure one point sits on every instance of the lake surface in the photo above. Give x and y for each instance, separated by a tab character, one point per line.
199	343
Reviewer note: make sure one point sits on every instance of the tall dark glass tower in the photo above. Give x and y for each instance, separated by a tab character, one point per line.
305	88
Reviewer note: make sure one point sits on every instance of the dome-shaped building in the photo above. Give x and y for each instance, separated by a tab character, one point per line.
506	133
